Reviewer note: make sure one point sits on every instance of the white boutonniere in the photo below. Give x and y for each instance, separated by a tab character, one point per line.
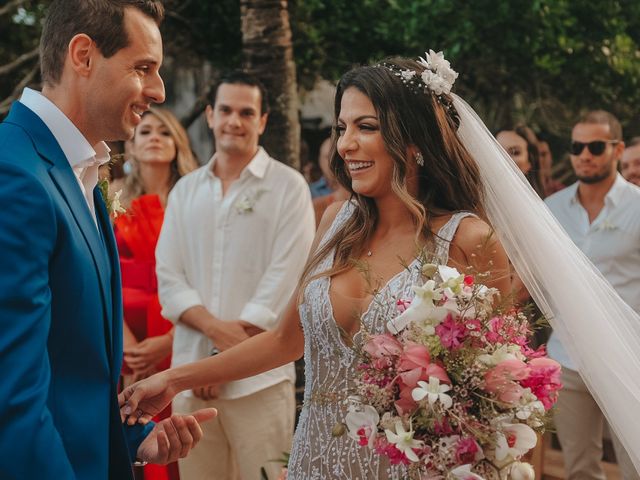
607	226
112	201
248	200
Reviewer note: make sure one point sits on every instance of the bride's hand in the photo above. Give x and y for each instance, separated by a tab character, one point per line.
143	400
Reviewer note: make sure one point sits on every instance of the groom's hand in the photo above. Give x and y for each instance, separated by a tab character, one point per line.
174	437
143	400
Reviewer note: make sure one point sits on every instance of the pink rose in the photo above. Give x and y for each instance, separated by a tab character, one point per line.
384	345
502	380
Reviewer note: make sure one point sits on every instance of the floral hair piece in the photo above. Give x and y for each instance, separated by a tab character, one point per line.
437	77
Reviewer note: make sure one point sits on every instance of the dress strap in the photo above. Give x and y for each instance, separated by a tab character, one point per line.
446	233
343	215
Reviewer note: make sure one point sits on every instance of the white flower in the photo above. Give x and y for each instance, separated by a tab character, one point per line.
115	207
438	74
364	417
528	405
514	440
606	225
463	472
420	308
407	74
502	353
403	441
452	279
248	200
521	471
434	391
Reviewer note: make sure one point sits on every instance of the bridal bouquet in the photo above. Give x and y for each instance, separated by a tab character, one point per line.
453	391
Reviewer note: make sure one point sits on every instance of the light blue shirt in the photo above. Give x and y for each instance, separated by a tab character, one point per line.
611	242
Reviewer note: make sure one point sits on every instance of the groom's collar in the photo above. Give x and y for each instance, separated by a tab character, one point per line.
73	144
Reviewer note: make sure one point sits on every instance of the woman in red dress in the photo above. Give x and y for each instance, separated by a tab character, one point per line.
160	155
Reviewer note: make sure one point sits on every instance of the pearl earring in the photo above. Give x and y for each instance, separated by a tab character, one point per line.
419	159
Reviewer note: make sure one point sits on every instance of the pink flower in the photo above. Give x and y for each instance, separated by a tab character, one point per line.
451	333
544	380
467	450
383	447
414	356
502	380
383	346
402	305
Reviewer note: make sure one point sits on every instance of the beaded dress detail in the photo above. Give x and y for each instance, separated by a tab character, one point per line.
330	371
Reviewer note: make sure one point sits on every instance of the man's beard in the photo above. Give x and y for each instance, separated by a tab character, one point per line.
597	178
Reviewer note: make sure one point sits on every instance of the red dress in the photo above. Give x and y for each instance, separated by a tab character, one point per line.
137	234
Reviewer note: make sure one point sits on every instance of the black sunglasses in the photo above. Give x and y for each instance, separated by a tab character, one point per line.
596	148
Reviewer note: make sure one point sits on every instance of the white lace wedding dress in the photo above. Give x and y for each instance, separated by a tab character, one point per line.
330	372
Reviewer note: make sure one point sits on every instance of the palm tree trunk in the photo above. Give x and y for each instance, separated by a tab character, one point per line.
268	54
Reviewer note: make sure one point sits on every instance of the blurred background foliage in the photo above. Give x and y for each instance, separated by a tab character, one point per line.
538	61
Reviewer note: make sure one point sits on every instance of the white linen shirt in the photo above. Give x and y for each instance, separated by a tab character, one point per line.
240	256
83	158
611	242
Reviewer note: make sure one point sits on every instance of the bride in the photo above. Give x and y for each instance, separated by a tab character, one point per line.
425	175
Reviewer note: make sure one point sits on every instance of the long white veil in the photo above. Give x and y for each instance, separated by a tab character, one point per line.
599	330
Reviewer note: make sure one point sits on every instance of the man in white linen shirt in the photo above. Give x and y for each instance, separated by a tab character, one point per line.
234	242
601	214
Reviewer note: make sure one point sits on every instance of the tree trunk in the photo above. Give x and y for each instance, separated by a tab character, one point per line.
268	54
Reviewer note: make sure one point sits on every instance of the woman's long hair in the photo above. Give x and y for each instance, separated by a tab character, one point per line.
534	175
183	163
447	182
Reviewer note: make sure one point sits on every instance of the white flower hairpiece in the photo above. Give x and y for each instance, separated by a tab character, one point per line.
438	75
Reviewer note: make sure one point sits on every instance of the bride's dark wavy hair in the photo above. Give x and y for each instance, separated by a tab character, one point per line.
449	180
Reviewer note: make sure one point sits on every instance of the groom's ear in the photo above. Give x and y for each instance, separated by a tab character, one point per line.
80	55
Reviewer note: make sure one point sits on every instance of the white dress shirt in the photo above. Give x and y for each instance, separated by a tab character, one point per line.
239	255
611	242
83	158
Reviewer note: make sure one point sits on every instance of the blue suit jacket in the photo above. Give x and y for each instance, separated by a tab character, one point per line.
60	318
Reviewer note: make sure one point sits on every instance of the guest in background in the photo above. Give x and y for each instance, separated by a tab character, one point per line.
338	192
601	214
234	243
159	155
522	146
550	184
325	184
630	162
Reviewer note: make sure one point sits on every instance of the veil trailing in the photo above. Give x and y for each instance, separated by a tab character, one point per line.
599	330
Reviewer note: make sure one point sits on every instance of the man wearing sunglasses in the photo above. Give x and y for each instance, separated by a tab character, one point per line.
601	214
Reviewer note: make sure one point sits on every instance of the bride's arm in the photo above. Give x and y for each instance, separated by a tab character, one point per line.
258	354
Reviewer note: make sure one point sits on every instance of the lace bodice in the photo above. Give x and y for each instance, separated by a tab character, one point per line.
330	371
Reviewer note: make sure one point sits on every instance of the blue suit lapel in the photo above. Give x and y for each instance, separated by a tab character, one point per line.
116	292
67	183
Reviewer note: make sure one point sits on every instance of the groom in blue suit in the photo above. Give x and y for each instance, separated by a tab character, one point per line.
60	302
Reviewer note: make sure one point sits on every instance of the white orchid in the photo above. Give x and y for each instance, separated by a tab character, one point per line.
521	471
514	440
434	391
463	472
500	354
421	306
403	441
529	405
362	417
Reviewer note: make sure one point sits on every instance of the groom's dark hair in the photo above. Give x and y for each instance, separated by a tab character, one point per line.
102	20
